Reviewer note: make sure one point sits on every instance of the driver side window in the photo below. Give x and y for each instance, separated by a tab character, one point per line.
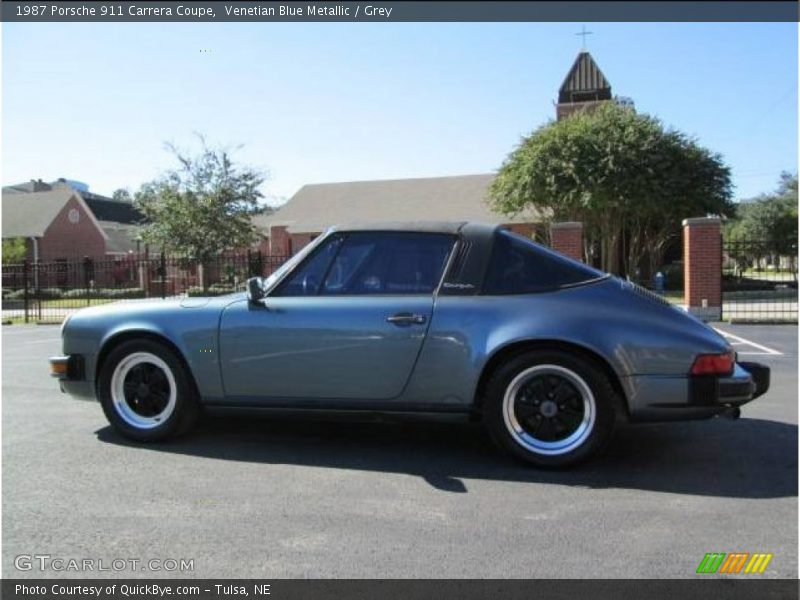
390	263
372	263
308	278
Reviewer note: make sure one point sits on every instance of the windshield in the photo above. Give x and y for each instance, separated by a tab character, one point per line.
290	264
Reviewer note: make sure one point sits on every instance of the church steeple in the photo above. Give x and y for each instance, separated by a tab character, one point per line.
584	86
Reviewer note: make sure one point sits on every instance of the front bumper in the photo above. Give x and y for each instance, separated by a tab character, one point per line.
653	398
70	371
67	367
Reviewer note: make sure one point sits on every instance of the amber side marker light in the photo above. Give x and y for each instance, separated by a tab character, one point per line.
58	368
714	364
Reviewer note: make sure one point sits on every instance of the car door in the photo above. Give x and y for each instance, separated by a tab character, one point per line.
348	323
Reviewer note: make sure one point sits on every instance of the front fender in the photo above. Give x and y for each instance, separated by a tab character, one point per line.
192	331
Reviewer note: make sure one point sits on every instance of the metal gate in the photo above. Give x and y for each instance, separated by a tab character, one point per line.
759	280
47	291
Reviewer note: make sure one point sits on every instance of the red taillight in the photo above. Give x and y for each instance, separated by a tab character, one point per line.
713	364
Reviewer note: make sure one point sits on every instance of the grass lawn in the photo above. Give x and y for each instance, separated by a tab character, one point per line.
764	275
32	321
51	310
768	272
72	303
14	321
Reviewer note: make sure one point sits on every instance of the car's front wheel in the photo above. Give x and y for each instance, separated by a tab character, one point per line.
146	392
550	408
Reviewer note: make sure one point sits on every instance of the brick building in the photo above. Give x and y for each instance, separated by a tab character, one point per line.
62	220
316	207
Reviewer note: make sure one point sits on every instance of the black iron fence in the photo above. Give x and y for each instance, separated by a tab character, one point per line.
48	291
759	280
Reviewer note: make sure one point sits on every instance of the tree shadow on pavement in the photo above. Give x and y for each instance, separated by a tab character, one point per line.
748	458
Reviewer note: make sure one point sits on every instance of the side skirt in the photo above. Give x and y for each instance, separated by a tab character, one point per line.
336	404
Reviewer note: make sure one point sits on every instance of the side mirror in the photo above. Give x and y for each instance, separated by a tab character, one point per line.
255	290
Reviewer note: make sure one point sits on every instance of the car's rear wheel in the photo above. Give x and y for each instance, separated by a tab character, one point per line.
146	392
550	408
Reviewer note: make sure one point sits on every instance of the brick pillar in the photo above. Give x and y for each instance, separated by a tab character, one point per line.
567	238
279	241
702	270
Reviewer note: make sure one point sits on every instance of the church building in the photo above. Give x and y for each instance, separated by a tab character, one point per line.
584	87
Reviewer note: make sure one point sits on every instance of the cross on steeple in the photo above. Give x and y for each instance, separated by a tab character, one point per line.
583	33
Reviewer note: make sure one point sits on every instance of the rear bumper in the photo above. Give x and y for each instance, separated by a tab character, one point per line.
761	377
696	397
748	382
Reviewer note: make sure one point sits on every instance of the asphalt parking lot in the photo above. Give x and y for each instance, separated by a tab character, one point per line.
273	496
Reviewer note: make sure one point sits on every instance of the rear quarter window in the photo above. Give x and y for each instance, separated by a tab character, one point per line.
518	266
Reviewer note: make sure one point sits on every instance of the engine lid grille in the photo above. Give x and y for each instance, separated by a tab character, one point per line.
645	293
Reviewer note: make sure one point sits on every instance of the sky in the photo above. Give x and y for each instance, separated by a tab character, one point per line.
312	103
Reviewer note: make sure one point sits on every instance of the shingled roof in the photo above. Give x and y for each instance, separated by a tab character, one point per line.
102	207
120	237
30	214
583	79
107	209
316	207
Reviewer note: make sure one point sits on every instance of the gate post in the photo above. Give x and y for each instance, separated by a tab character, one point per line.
280	242
148	270
87	279
163	269
142	266
26	294
702	270
567	238
37	290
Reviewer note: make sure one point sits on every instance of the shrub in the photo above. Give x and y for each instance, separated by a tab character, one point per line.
105	293
42	294
47	293
215	289
77	293
227	287
120	293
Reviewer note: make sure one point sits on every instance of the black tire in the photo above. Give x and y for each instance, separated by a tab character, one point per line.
181	409
518	392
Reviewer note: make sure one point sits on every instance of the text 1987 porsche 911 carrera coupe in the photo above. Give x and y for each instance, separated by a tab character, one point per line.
422	317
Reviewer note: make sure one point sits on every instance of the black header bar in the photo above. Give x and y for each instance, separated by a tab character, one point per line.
486	11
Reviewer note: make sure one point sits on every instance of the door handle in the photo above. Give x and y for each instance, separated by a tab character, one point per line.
406	319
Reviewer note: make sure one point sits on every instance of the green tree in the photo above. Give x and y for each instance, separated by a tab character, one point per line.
769	218
264	209
122	194
623	174
765	227
14	250
203	206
